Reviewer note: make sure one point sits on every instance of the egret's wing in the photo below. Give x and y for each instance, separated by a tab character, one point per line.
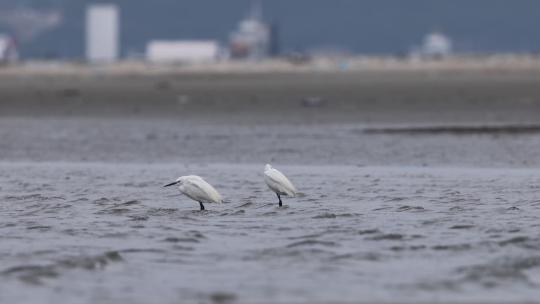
199	190
278	182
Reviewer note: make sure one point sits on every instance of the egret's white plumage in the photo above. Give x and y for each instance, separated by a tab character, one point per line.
278	182
197	189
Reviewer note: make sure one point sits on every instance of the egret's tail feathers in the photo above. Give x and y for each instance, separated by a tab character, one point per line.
288	193
300	194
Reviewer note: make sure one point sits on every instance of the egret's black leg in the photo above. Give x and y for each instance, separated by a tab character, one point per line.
279	197
202	206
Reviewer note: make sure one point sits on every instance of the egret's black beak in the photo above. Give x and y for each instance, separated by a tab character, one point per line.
171	184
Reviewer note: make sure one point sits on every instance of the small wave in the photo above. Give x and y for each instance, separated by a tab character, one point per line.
223	297
138	218
514	240
136	185
462	227
455	247
411	209
34	274
411	248
141	250
237	212
333	215
41	228
307	236
395	199
161	211
312	243
114	211
457	129
288	252
182	248
389	236
181	240
500	272
128	203
27	197
245	205
325	216
369	256
104	200
368	231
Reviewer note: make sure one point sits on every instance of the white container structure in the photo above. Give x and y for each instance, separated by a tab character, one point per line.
102	33
170	51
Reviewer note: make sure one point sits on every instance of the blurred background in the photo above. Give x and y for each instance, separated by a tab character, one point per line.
58	29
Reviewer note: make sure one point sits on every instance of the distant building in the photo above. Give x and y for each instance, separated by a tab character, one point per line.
102	33
436	45
8	49
252	39
182	51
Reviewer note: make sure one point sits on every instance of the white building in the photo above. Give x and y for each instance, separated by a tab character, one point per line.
8	49
163	51
102	33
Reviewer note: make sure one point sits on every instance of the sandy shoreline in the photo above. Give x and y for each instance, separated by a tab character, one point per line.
384	97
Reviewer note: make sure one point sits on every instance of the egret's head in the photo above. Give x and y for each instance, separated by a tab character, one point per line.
177	181
267	167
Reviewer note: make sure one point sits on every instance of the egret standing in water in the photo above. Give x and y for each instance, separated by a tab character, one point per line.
197	189
278	183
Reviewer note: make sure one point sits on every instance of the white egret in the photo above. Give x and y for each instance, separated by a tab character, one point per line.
197	189
278	183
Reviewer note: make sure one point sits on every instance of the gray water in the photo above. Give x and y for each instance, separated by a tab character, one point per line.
103	229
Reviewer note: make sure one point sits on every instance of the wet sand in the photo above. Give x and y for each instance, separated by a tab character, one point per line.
390	97
415	118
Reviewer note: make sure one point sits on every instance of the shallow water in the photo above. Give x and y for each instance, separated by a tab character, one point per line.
189	141
109	233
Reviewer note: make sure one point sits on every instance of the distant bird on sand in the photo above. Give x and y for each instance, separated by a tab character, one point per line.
278	183
197	189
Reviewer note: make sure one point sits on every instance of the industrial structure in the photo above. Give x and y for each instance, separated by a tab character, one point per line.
102	33
252	39
27	23
435	45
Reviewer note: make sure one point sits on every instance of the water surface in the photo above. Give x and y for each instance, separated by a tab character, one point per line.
92	232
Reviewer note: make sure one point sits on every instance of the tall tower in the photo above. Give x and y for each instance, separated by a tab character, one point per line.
102	33
256	11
